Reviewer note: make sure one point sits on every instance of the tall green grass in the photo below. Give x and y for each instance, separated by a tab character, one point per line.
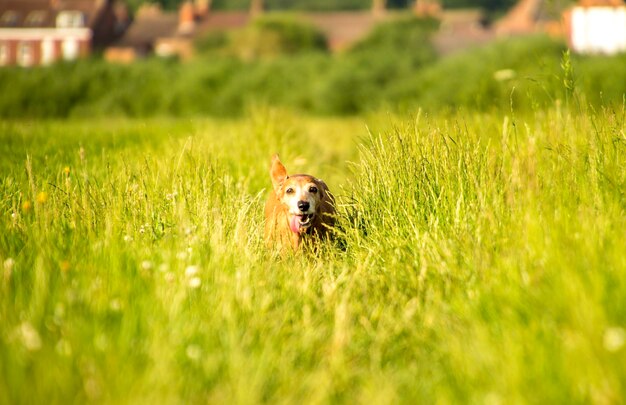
479	258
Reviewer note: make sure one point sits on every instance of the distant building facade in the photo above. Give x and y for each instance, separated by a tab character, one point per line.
40	32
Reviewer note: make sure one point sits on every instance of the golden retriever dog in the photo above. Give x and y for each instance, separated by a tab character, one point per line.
299	208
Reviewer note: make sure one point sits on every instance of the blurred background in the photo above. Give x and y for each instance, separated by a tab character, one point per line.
135	58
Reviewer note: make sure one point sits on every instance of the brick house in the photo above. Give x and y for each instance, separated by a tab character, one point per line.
167	34
39	32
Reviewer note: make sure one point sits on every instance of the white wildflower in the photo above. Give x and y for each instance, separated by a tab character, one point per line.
614	338
504	75
115	305
101	342
8	264
194	282
194	352
191	271
146	265
63	348
30	337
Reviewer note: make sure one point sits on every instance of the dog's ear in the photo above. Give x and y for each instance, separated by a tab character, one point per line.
325	194
278	172
327	207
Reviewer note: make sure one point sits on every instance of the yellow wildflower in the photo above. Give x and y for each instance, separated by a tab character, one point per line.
42	197
65	266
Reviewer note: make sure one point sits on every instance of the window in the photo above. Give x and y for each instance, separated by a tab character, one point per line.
9	18
25	55
70	49
47	51
4	53
70	19
35	19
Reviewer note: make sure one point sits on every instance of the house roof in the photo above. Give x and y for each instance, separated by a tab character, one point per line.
43	13
149	24
600	3
344	28
224	20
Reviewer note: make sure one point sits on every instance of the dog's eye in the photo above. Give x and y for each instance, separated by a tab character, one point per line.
313	189
289	190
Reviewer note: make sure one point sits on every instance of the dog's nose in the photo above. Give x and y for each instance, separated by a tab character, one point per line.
303	206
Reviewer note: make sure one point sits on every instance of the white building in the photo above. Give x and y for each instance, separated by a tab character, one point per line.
598	27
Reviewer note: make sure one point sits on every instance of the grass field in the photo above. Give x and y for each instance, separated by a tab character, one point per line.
480	259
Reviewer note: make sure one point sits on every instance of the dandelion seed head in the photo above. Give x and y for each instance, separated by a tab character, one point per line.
8	264
614	339
195	282
101	342
300	161
115	305
191	271
30	337
63	348
147	265
59	314
194	352
504	75
164	267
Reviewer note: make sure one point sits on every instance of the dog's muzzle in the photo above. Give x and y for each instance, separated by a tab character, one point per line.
300	223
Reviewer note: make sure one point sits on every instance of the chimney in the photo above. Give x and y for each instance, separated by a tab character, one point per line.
256	7
378	7
186	18
203	7
427	8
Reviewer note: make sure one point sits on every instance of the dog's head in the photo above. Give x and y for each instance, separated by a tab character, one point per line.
303	196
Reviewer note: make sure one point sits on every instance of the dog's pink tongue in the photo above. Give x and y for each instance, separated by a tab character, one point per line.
294	224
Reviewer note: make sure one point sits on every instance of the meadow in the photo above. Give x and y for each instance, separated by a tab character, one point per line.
478	255
479	258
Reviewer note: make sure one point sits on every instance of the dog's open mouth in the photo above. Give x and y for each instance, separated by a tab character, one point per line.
300	223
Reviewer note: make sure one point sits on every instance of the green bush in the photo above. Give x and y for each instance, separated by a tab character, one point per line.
389	69
273	36
523	72
408	36
392	53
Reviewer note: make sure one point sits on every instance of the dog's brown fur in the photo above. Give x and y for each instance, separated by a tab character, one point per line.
300	207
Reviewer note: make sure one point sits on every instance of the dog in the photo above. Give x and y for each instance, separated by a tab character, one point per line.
300	208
